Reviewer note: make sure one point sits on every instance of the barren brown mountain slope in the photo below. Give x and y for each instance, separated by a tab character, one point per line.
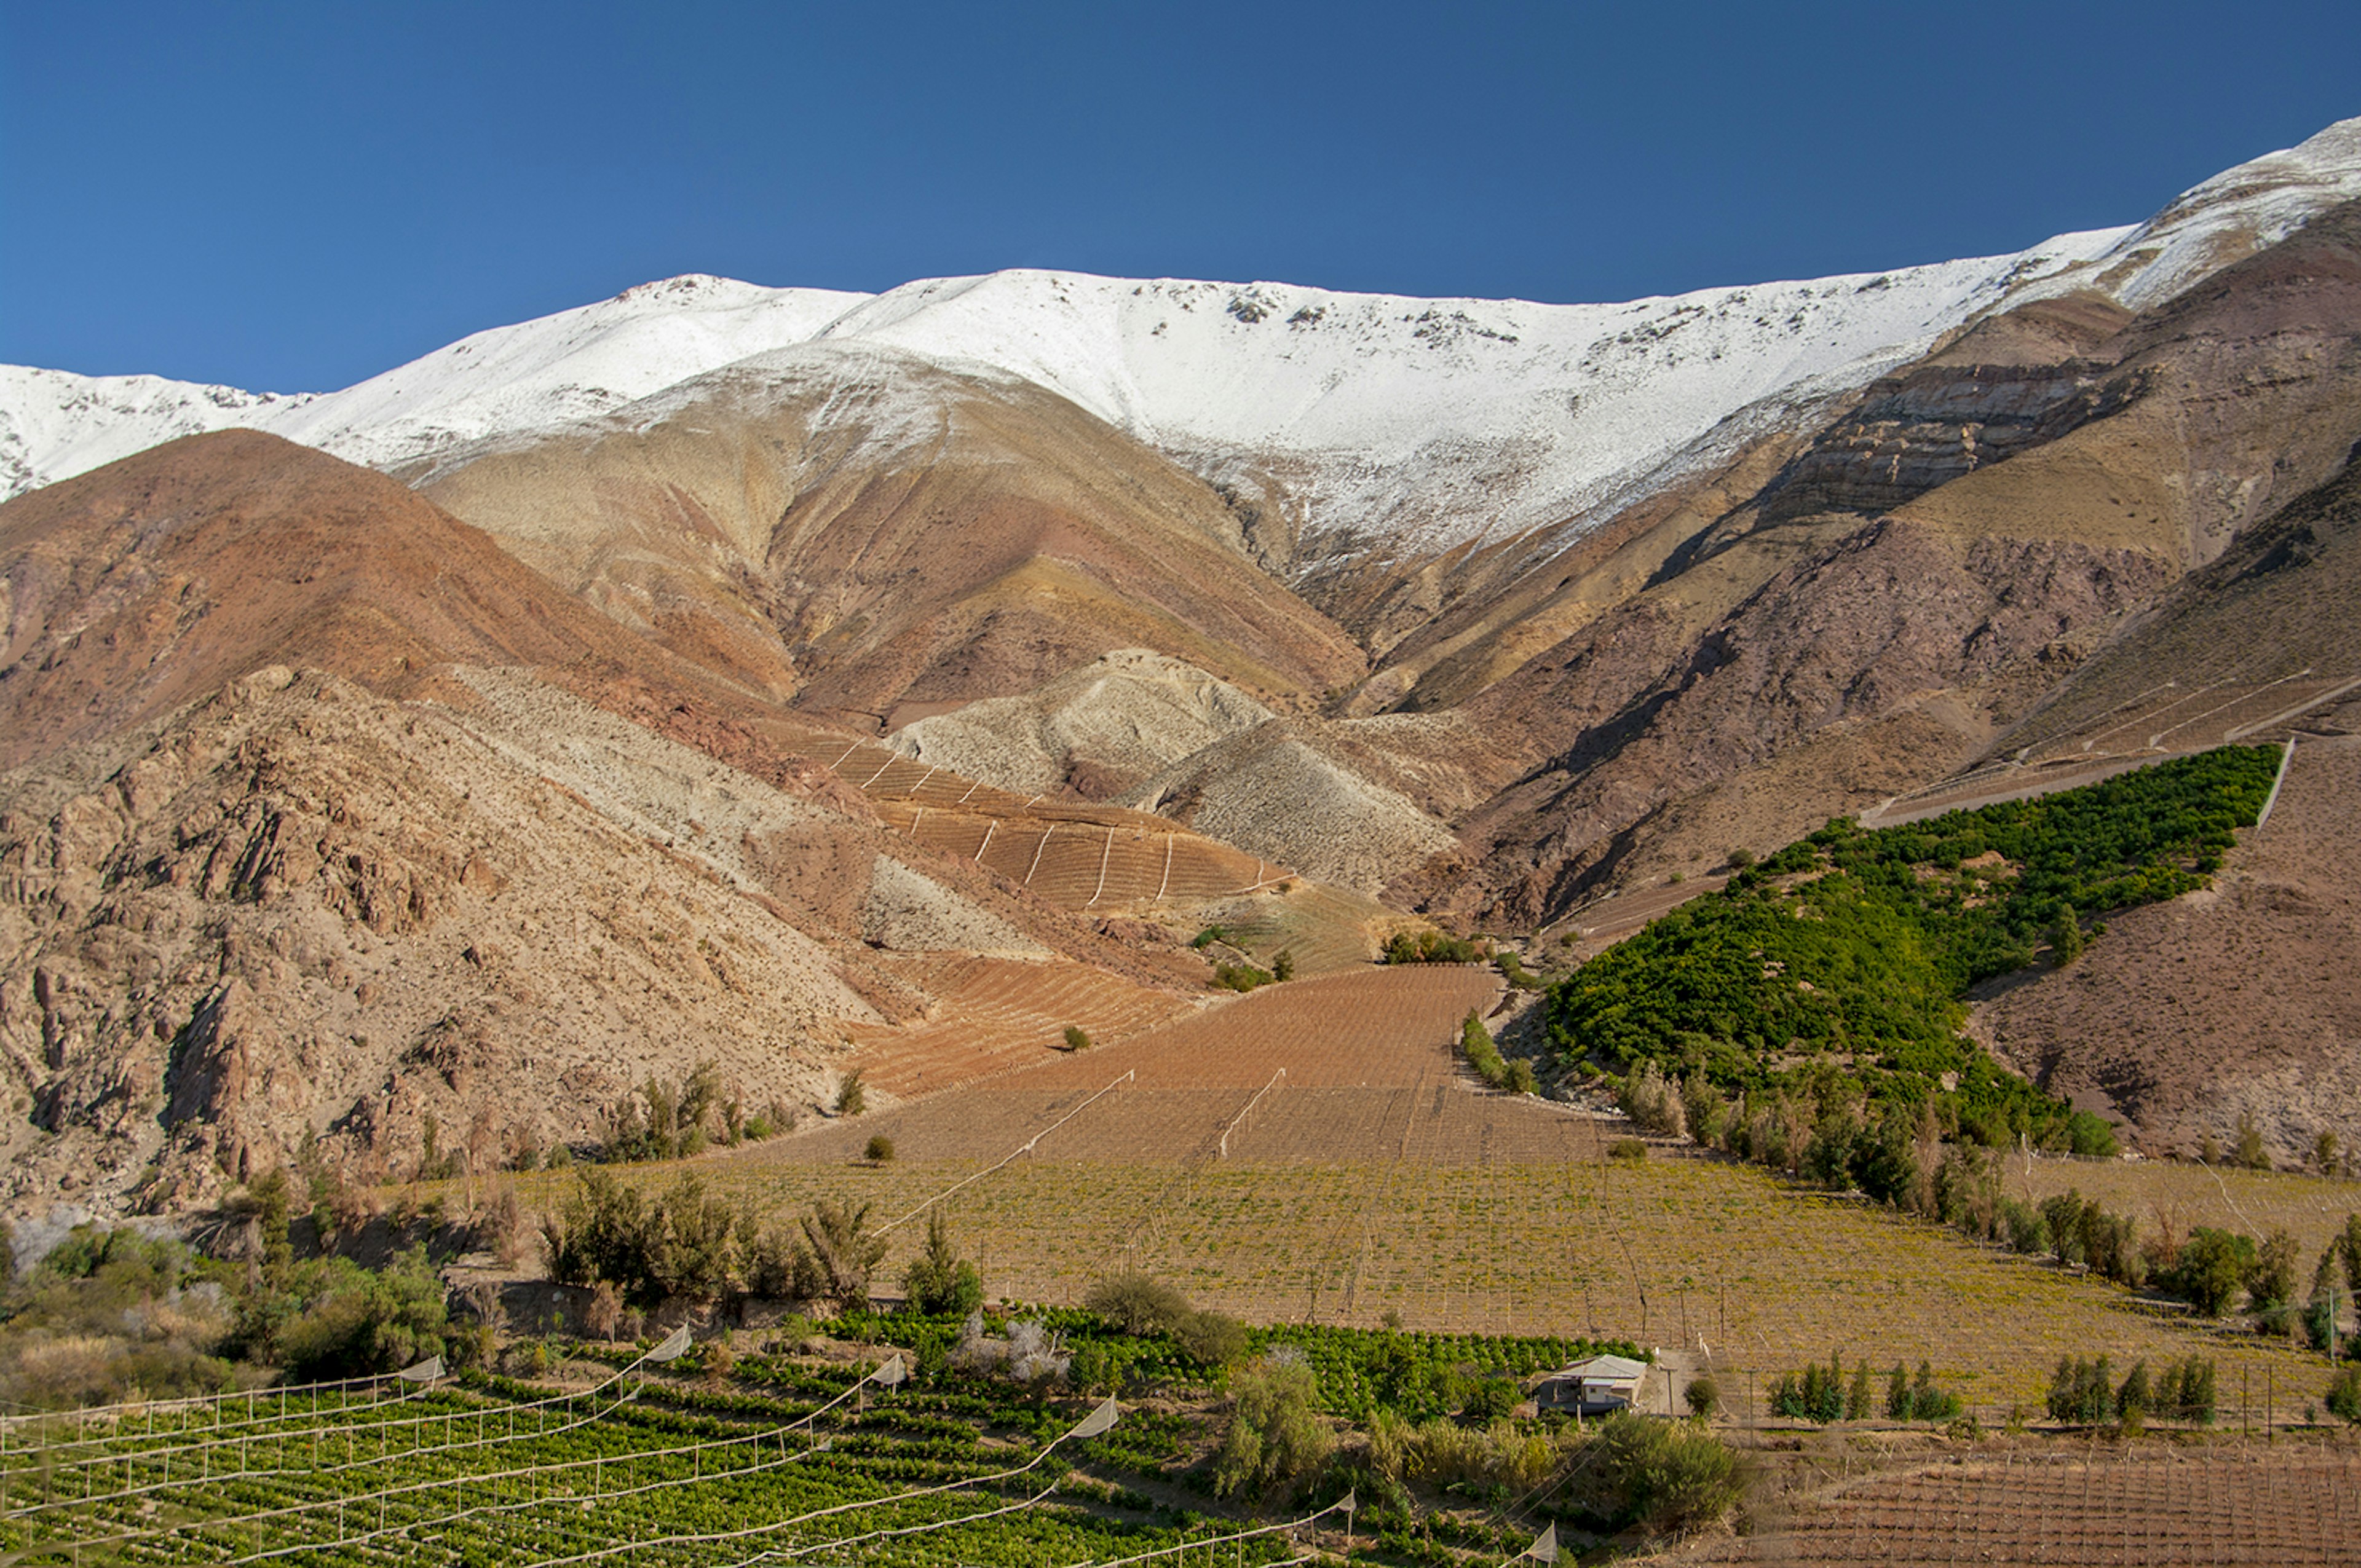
487	899
146	584
1968	534
911	536
2234	1003
304	907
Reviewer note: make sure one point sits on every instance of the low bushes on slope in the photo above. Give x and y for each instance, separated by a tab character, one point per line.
1829	981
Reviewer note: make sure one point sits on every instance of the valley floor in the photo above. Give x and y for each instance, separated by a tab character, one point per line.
1315	1152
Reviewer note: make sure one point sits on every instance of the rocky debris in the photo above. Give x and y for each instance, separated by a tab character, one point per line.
1276	791
912	914
1098	729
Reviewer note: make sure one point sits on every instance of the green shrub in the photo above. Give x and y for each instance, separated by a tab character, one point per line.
1704	1396
1137	1303
1664	1478
879	1149
939	1282
1214	1338
1432	947
1276	1435
662	1121
1240	977
2344	1400
841	1251
353	1321
1476	1044
1076	1041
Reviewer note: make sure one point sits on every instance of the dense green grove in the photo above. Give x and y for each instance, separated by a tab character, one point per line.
1829	981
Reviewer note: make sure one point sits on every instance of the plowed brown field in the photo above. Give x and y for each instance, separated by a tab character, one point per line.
1075	854
2246	1504
1000	1014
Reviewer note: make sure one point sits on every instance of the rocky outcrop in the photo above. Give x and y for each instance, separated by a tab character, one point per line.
305	909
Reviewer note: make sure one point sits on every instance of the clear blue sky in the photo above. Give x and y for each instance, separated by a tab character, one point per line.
297	196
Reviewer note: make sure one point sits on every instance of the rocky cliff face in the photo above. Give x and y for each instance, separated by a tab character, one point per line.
304	906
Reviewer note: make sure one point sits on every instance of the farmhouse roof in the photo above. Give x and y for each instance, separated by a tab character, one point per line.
1605	1369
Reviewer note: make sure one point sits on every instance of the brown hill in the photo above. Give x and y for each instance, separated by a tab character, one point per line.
880	536
528	862
1918	578
149	583
2236	1004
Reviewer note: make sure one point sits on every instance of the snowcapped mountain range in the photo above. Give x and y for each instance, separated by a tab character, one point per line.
1401	425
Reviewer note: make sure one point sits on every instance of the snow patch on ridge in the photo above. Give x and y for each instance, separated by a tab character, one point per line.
1394	424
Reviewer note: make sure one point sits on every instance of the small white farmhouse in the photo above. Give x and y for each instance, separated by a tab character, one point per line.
1592	1387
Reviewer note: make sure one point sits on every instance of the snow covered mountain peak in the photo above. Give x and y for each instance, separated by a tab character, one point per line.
1386	422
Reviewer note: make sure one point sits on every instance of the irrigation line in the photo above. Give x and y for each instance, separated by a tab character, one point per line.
716	1537
1244	1110
751	1439
778	1552
486	1477
2248	696
1343	1504
1023	1148
1044	844
670	1348
1105	855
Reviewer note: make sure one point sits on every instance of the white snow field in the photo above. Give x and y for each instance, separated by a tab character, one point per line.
1397	425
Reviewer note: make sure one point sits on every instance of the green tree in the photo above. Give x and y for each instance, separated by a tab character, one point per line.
836	1233
1665	1477
2192	1392
2213	1268
2135	1399
1276	1435
2065	937
2270	1279
938	1282
271	1218
2250	1151
1897	1395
